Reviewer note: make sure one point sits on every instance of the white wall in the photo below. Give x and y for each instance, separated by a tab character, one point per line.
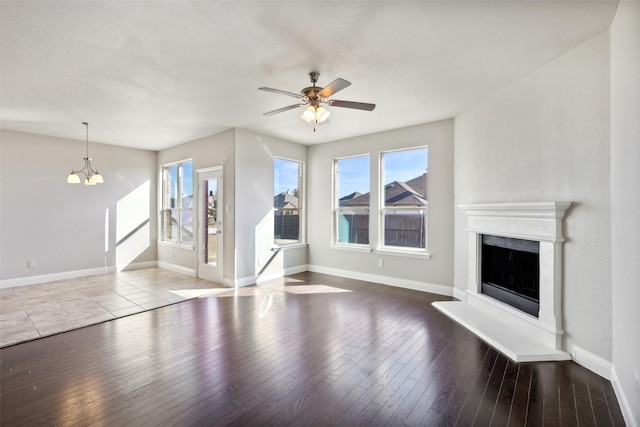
546	138
68	228
625	201
435	274
214	150
254	207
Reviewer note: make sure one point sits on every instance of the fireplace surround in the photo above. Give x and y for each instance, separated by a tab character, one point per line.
518	334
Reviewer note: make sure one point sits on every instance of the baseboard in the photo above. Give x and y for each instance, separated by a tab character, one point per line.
45	278
65	275
592	362
625	407
384	280
177	268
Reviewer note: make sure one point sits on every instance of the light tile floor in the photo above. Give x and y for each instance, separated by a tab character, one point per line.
34	311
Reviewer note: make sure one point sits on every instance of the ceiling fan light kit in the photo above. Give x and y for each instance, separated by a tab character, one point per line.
315	114
316	98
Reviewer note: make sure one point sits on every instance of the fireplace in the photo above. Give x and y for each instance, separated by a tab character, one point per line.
510	272
514	288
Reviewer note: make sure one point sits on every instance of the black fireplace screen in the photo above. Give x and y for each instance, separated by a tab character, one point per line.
511	272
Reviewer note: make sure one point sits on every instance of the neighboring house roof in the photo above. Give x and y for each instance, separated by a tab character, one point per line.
397	193
419	184
285	200
349	197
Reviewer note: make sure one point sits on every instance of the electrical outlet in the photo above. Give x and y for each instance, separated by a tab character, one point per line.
380	263
31	264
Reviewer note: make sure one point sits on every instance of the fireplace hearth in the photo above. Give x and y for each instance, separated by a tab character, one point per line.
507	303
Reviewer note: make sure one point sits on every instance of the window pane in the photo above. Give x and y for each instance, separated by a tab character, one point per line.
171	225
352	181
287	226
405	177
287	180
211	219
352	196
177	203
187	180
171	186
186	190
353	226
404	228
405	187
169	191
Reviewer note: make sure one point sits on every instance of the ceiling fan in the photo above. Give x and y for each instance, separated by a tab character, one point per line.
316	98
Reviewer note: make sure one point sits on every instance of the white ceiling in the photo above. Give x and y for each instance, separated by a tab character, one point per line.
153	74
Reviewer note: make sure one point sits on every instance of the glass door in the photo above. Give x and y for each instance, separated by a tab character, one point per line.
211	209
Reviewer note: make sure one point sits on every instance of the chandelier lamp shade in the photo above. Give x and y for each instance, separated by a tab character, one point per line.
91	176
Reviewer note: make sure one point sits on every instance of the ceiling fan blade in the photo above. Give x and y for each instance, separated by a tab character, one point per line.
280	110
354	105
281	92
333	87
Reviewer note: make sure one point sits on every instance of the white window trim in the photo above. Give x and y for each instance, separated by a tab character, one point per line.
302	207
406	253
382	249
160	240
335	244
351	247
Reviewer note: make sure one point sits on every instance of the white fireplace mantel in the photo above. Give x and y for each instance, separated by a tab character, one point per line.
519	335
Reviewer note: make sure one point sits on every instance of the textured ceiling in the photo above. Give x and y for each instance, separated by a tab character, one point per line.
153	74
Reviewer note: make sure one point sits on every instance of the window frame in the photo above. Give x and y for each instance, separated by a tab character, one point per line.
166	205
301	241
336	209
382	248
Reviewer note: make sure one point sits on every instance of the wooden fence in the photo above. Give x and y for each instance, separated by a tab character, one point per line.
286	227
400	230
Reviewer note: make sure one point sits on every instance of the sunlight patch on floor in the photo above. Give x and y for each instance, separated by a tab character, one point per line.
277	290
197	293
313	289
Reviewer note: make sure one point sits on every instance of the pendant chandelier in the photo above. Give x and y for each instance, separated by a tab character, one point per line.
91	176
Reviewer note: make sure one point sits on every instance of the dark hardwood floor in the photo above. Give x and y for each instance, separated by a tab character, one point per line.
310	349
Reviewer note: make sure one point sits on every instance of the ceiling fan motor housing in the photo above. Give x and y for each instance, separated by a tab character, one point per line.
311	92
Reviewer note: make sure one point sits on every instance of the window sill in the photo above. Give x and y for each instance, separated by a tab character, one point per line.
406	254
352	248
287	247
176	245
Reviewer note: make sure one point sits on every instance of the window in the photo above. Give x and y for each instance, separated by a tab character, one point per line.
404	192
351	201
287	201
177	203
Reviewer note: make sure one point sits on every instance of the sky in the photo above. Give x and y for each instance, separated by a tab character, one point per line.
285	176
354	171
399	166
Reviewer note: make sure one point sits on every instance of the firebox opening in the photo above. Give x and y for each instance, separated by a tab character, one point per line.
511	272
